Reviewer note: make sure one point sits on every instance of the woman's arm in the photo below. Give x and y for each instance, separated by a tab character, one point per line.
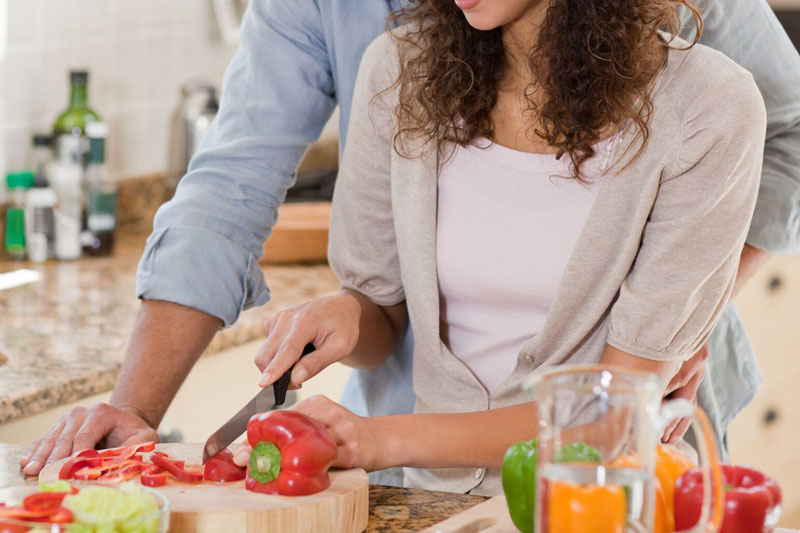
443	440
436	440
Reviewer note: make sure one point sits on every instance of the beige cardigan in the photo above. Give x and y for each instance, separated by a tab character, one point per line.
650	273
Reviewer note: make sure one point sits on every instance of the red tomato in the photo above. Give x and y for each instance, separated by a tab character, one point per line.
221	468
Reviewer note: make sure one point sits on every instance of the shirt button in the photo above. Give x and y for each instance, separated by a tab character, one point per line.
478	473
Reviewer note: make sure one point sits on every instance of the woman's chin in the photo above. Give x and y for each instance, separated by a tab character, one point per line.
481	21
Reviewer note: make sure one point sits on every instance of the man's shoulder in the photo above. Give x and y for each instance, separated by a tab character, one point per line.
702	76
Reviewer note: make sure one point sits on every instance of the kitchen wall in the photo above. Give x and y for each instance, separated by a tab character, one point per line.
138	53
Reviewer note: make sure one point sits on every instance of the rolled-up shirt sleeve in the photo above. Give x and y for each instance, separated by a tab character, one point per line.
689	253
278	92
748	32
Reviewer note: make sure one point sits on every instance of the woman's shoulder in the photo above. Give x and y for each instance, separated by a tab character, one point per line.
701	80
392	48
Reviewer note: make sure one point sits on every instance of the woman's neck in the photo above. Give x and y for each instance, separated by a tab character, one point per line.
521	35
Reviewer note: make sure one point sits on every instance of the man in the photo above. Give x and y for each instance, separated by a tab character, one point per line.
297	59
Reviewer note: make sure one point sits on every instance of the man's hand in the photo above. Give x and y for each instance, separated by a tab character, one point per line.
684	384
83	428
167	340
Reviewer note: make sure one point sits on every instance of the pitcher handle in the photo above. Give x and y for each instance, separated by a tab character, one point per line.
713	496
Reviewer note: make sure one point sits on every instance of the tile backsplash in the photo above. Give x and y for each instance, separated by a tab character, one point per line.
138	53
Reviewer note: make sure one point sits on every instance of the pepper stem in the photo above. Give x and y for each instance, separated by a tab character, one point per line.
265	462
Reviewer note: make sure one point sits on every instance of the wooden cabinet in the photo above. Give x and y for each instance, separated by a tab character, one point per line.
766	435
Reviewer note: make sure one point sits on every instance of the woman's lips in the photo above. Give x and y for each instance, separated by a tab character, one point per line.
467	4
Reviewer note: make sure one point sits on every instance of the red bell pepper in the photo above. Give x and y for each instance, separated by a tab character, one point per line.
188	476
291	454
752	500
222	469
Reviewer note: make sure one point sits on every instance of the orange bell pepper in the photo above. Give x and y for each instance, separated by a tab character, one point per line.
670	465
585	509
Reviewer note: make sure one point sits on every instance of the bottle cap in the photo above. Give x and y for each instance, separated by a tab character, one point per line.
97	130
78	76
41	139
21	179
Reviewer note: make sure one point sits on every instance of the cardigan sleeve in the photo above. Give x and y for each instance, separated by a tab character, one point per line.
685	268
362	248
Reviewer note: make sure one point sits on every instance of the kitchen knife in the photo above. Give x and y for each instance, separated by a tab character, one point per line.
268	398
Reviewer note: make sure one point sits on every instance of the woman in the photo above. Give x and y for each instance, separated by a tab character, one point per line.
529	184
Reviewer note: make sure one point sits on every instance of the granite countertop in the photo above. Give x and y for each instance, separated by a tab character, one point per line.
390	508
64	338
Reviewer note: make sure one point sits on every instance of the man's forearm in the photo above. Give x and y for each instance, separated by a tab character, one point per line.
167	341
751	260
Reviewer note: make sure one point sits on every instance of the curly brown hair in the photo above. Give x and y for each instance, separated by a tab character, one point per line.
594	61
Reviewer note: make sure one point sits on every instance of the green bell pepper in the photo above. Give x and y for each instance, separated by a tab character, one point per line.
578	452
519	482
519	476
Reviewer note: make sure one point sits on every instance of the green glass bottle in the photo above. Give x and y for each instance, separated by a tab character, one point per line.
73	121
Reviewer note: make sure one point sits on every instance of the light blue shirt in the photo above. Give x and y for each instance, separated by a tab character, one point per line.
297	59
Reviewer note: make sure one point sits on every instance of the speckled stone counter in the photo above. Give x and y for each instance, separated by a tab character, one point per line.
398	509
65	337
390	508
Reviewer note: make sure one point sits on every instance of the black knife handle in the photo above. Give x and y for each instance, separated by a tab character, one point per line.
282	385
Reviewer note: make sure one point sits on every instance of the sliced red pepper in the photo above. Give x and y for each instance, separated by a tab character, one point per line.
91	452
123	474
188	476
222	469
72	465
154	476
20	513
58	515
89	473
125	452
42	501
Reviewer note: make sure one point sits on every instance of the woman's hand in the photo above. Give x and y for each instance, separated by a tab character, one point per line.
331	324
359	441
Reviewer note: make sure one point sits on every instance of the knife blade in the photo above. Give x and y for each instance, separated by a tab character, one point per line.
266	399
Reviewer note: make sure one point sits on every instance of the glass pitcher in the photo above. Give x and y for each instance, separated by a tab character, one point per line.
598	431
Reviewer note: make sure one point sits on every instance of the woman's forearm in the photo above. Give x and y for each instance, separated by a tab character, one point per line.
379	331
452	440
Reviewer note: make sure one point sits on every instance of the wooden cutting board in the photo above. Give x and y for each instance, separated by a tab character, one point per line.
214	507
492	516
